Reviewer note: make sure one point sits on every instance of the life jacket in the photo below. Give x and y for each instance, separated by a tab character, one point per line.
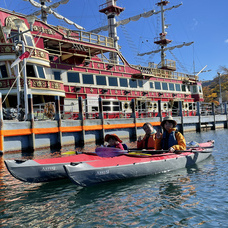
149	141
168	140
119	145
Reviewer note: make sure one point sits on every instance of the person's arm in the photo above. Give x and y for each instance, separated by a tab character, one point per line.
120	146
140	142
181	142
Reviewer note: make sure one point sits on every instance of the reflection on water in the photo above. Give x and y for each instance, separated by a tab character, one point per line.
182	198
144	201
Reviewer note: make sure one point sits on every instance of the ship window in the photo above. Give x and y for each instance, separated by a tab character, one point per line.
183	88
123	82
157	85
40	72
106	106
140	83
94	109
194	106
57	75
116	106
14	39
171	86
3	71
188	87
133	83
151	85
101	80
30	71
190	106
28	40
87	79
178	88
112	81
194	89
164	86
73	77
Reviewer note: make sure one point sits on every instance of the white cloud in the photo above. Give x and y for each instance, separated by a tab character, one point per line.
194	24
226	41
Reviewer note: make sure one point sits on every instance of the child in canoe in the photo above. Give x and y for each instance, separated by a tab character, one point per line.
171	139
148	141
114	141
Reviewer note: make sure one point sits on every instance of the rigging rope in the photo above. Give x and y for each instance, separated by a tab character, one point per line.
131	44
177	60
19	75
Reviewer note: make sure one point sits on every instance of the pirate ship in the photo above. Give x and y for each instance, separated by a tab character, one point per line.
76	63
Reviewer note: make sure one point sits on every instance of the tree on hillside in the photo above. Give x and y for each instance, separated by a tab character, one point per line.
212	91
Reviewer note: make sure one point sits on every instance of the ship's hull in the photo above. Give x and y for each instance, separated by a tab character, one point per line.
125	167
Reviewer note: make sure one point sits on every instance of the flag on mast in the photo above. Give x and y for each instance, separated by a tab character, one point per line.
20	58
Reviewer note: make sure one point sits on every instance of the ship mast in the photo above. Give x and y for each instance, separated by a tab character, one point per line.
44	14
112	10
45	10
162	41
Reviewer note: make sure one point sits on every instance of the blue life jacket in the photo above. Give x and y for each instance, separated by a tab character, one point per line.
168	140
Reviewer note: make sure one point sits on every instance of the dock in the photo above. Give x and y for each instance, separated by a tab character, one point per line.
57	132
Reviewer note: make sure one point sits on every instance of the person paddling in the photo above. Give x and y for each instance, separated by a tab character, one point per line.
148	141
171	139
114	141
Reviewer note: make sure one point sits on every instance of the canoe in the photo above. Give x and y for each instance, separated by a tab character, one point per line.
131	166
44	170
51	169
204	145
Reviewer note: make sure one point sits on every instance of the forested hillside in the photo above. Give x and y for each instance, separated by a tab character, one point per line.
211	89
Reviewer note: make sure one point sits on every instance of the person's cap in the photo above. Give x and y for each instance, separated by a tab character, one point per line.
169	119
107	137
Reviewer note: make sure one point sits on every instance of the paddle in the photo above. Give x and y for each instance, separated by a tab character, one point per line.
113	152
109	152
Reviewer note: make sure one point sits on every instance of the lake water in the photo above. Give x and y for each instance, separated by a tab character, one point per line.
194	197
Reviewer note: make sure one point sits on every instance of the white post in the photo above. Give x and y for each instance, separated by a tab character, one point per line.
25	82
18	88
220	90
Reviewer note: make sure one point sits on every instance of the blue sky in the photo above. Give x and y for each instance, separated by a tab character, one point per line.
201	21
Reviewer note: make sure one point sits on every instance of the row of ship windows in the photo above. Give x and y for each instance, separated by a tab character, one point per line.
114	106
89	79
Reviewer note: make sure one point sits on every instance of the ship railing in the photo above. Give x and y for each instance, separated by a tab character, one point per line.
105	5
41	111
205	109
68	112
48	111
40	83
221	109
94	38
165	73
174	111
35	52
211	109
167	64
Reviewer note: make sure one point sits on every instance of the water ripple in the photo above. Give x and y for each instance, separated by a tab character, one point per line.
194	197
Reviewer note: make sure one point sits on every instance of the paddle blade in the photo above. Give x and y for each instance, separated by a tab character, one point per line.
108	152
69	152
